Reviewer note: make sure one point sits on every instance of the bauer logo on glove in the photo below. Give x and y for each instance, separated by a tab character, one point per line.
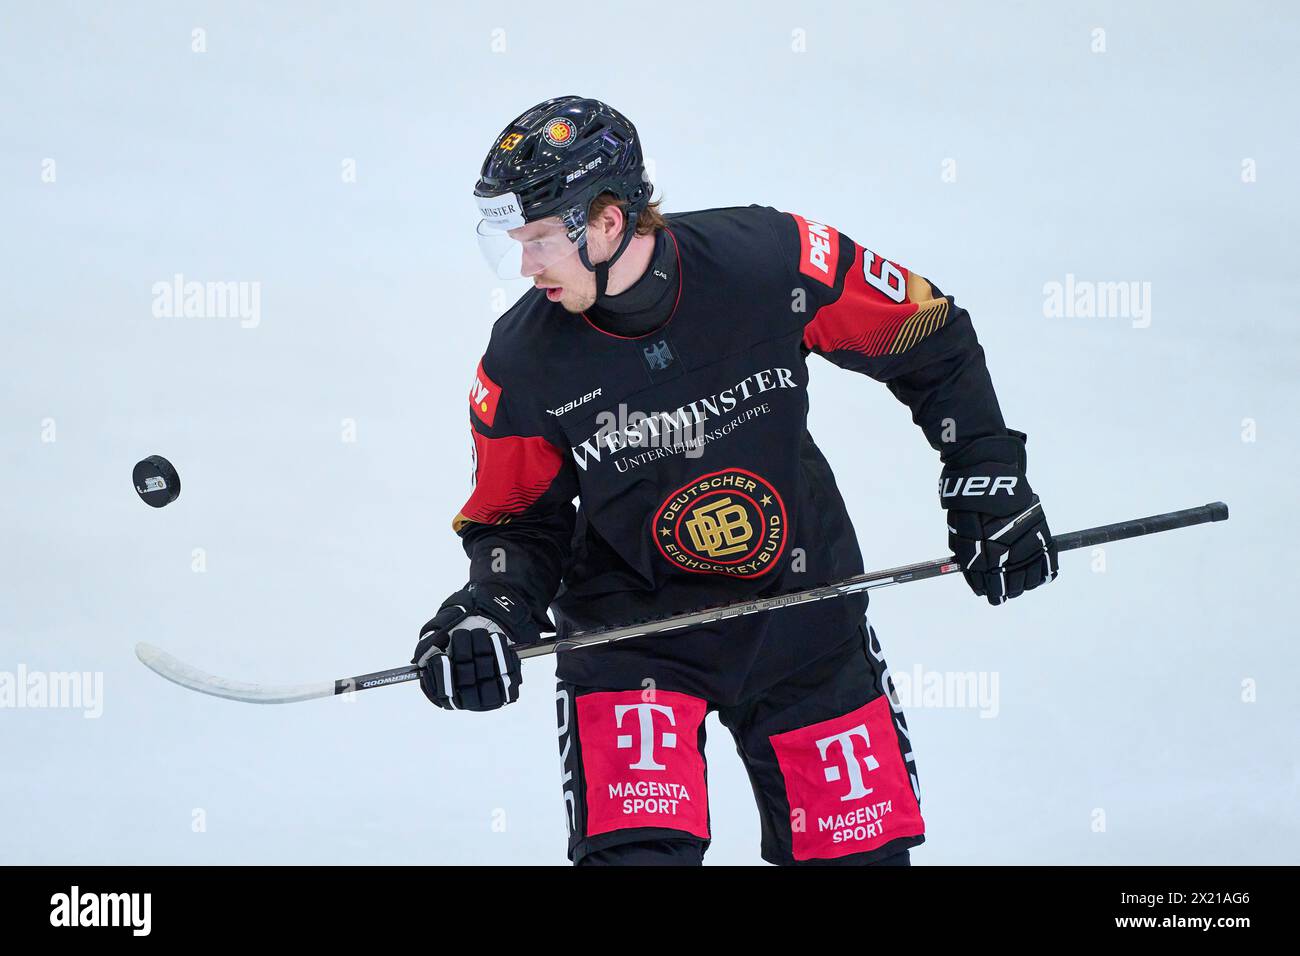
996	526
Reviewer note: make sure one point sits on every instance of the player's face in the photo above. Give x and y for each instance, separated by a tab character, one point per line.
564	279
527	250
569	283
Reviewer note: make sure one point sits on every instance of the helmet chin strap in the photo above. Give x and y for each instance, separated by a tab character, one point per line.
601	269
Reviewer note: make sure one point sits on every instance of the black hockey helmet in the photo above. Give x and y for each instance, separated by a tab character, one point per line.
554	160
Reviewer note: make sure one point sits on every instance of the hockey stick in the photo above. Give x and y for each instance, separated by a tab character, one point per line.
181	673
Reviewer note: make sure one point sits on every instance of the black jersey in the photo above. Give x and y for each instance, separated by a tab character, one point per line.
688	452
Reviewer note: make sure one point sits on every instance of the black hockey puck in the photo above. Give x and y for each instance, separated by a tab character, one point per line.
156	481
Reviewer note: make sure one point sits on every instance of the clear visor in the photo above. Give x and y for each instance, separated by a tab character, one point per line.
514	252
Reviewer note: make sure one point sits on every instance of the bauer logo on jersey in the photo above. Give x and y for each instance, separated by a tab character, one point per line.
483	396
727	522
819	250
560	132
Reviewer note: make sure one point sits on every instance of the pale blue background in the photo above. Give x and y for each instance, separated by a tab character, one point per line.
1119	690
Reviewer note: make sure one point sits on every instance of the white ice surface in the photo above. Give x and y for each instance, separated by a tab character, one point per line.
1120	692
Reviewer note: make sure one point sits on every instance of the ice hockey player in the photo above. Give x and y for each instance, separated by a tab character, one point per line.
656	373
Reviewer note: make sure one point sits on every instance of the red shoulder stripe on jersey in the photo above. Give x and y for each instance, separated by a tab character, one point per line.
510	474
819	249
864	319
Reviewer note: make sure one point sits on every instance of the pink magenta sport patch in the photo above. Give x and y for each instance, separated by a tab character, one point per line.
848	786
642	761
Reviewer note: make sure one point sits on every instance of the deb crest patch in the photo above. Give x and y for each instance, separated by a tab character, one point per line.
483	396
726	522
560	132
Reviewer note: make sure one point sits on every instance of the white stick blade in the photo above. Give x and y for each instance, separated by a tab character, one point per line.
178	672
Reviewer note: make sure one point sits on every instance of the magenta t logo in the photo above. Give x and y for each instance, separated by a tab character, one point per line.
854	764
645	721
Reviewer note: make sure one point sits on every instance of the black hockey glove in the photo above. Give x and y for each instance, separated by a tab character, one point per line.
996	526
466	656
